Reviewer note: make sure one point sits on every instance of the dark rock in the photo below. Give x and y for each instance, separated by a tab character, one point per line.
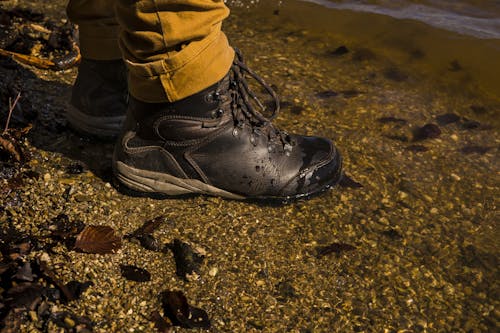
447	118
187	260
339	51
428	131
134	273
472	149
391	119
326	94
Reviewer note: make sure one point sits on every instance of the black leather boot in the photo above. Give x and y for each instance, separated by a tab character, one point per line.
216	143
99	98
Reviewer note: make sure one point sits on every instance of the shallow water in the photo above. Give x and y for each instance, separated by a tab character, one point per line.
480	19
428	43
423	224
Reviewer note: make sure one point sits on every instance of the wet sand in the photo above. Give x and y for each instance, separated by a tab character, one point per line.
423	225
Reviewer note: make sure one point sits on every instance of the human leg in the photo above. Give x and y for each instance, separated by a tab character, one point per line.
99	96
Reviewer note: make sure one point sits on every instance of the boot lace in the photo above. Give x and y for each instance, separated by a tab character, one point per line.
247	108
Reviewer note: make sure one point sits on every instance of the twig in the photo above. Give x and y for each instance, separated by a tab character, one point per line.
11	109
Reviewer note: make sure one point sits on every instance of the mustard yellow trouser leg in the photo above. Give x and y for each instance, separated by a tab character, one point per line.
172	48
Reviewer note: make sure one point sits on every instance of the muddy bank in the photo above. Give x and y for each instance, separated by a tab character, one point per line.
409	244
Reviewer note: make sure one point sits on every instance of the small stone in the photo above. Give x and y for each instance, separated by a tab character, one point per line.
33	316
47	177
70	322
260	283
455	177
45	257
213	271
434	210
403	195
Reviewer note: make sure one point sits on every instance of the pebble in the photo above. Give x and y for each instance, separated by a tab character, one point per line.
213	271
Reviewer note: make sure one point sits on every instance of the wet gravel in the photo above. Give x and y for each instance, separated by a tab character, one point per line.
409	244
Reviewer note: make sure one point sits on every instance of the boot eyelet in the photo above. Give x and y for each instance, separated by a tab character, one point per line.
217	113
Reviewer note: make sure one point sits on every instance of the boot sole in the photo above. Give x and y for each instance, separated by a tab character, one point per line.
97	127
161	183
157	183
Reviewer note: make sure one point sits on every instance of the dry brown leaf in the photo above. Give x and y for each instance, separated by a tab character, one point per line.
10	147
98	239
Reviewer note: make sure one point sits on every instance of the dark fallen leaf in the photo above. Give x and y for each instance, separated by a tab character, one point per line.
78	288
392	234
150	243
162	324
148	227
326	94
336	248
417	148
339	51
428	131
475	149
391	119
348	182
13	148
74	169
98	239
187	260
134	273
177	309
143	234
447	118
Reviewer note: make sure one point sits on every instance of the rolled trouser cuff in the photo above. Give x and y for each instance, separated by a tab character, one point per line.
100	42
197	66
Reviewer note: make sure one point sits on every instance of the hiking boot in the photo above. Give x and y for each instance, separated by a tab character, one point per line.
99	98
216	143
